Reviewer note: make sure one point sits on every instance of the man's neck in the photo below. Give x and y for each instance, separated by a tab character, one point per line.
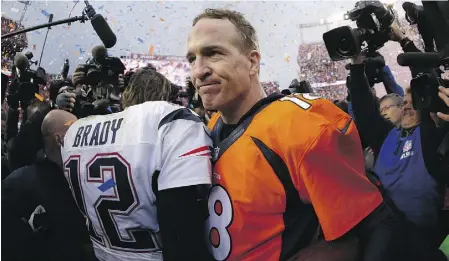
55	158
234	113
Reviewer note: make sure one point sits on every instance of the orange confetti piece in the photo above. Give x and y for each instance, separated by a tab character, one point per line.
151	50
287	59
39	97
70	122
162	19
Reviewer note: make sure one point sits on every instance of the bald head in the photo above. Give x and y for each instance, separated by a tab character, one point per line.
53	128
57	121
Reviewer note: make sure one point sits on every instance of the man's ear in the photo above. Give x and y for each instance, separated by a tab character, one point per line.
59	140
254	58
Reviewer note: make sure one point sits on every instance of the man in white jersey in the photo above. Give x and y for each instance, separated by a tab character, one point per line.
135	175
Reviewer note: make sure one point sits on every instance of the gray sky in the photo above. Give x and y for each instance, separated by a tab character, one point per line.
138	25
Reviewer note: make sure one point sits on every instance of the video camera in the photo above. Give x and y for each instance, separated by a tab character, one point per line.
26	80
102	69
373	21
30	56
433	24
102	72
23	72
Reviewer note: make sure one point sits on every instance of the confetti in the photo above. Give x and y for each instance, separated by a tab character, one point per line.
15	10
162	19
39	97
140	40
287	59
151	50
70	122
44	12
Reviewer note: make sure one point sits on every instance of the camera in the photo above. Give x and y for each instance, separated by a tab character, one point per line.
425	93
433	24
102	71
27	80
373	21
30	56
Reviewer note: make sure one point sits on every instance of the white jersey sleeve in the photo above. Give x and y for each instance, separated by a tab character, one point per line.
185	151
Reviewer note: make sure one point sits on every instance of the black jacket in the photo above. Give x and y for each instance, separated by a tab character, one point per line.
23	146
59	233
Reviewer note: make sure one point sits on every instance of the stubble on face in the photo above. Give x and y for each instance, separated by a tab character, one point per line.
220	70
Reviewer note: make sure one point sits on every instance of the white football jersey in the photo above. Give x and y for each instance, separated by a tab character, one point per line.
115	163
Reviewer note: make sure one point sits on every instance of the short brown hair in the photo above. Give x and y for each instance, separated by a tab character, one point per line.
244	28
146	85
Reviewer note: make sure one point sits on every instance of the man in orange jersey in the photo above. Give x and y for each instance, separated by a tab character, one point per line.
282	164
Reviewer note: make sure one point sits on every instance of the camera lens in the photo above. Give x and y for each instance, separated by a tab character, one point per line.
93	75
344	46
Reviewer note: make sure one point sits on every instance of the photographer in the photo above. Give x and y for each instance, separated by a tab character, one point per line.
407	164
377	71
97	86
23	145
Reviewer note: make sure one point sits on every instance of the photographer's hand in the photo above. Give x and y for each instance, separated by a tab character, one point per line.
357	60
444	95
66	101
397	34
78	76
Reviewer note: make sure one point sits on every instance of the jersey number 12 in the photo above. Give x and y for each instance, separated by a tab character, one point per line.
107	207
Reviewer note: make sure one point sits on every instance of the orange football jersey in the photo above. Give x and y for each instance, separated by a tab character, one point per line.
285	156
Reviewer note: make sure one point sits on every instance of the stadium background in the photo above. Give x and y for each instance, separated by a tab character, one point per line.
290	36
155	32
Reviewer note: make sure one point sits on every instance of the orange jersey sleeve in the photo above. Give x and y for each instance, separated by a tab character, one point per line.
331	173
325	159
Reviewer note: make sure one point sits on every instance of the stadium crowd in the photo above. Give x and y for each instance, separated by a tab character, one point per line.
123	167
11	45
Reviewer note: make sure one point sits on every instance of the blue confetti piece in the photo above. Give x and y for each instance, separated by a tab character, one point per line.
107	185
140	40
45	13
109	109
101	7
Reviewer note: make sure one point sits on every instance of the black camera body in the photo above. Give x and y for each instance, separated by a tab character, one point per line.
28	81
373	21
102	71
425	93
